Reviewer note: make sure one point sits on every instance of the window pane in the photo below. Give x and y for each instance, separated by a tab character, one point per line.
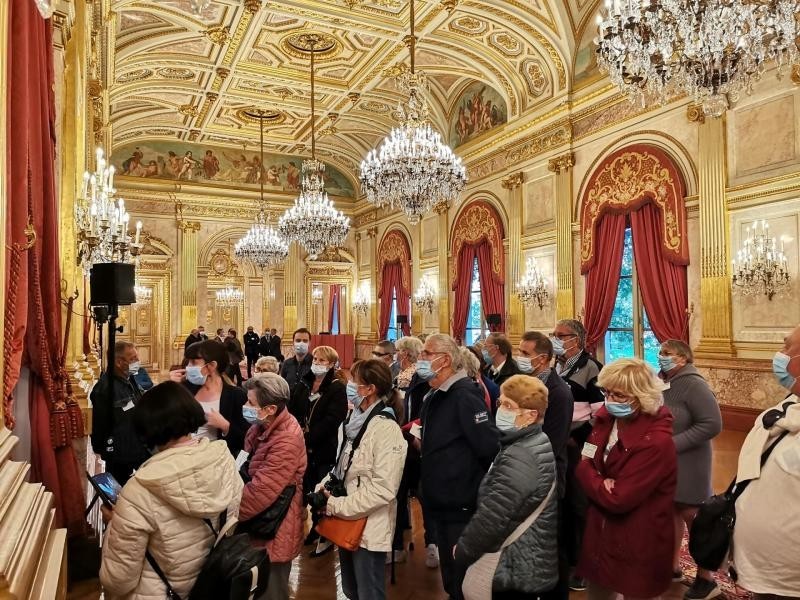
651	346
622	317
392	333
627	254
619	344
335	328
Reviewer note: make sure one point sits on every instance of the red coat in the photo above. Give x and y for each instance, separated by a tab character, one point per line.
277	458
629	536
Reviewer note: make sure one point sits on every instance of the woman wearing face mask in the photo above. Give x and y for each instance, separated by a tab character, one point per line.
629	474
162	507
697	421
277	459
490	386
517	502
371	475
221	402
319	402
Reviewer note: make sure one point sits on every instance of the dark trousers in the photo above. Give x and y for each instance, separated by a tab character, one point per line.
251	361
403	517
561	591
363	574
575	505
446	534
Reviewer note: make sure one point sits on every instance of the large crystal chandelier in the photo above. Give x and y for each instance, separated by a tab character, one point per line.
413	170
101	220
144	295
230	297
262	245
313	221
759	267
532	289
708	49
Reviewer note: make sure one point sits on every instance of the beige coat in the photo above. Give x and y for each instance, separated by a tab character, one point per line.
372	483
162	509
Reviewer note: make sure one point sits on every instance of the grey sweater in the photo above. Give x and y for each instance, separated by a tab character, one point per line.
697	422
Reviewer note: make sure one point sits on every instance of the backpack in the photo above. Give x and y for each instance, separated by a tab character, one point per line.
233	569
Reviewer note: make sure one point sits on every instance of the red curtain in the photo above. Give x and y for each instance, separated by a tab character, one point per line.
492	289
404	307
391	280
662	282
334	313
602	279
33	309
465	260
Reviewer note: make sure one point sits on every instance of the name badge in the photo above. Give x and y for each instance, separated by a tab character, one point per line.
589	450
128	406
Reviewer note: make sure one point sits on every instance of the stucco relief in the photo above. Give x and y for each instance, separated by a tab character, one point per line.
539	203
765	136
743	388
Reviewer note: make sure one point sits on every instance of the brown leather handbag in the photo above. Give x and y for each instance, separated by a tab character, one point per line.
345	533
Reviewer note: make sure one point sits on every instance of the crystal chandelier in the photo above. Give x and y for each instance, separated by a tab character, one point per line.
101	221
708	49
144	295
262	245
425	297
759	268
198	6
533	287
313	221
361	302
316	294
230	297
46	8
413	170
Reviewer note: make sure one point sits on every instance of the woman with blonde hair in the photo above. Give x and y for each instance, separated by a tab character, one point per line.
628	471
267	364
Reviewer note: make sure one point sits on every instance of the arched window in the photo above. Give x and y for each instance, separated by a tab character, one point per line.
477	328
394	286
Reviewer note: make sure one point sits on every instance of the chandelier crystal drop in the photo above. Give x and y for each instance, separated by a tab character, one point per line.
532	289
313	221
759	267
230	297
102	222
413	170
361	302
198	6
708	49
425	297
144	295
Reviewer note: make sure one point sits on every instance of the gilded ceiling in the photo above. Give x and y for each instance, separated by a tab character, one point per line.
181	77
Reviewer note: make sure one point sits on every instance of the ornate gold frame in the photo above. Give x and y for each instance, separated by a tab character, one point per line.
332	273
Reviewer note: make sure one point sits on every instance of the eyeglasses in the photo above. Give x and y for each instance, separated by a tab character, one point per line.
382	353
615	396
426	355
563	336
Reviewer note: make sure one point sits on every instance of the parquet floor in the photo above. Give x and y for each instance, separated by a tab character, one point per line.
318	578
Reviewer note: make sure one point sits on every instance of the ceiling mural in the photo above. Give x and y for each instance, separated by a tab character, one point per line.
479	109
179	161
192	75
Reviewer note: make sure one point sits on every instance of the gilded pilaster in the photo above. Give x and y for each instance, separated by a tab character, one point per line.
715	284
565	295
443	284
291	276
513	183
372	234
187	250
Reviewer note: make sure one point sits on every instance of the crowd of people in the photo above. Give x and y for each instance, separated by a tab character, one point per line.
538	469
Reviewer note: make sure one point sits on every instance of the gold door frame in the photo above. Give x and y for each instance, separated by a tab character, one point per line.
326	274
213	284
159	280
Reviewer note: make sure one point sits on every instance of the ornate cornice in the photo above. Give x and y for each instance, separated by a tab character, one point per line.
796	74
441	208
695	114
189	226
561	163
513	181
372	232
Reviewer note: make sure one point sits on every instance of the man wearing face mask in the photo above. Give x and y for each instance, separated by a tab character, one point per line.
113	436
385	351
497	354
296	367
766	539
251	349
459	442
580	370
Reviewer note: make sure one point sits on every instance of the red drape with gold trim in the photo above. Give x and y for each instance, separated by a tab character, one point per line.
334	310
492	287
602	279
662	282
464	262
33	310
391	281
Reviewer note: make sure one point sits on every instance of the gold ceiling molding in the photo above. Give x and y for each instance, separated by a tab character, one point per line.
190	110
294	42
176	73
218	35
271	116
135	75
236	39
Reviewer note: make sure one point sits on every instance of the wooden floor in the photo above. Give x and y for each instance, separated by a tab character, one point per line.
318	578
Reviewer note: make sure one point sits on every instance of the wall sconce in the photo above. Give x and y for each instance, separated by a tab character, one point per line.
425	296
316	293
361	301
759	267
532	289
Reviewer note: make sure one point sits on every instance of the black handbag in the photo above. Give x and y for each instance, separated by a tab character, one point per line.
265	524
712	529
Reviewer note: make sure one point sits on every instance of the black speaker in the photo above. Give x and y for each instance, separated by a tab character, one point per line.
112	284
402	319
493	319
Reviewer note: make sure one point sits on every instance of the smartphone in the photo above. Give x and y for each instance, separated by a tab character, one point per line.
106	486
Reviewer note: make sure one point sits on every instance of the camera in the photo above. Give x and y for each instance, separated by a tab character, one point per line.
317	500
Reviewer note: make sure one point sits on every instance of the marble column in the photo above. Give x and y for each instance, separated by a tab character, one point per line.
291	275
715	284
374	329
516	325
187	251
443	283
565	295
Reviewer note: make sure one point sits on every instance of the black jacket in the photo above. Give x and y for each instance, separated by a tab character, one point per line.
459	442
321	418
231	401
509	368
414	395
557	422
275	347
293	371
113	436
251	343
263	345
190	339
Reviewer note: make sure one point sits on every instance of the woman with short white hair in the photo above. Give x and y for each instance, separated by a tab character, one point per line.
628	471
408	349
267	364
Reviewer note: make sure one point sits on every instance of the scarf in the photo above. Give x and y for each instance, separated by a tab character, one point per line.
769	425
358	418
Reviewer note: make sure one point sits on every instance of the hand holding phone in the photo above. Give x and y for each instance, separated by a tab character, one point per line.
106	487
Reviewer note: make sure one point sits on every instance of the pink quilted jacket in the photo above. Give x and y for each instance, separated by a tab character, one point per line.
277	458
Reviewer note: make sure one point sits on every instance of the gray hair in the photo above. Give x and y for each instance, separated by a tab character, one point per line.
679	348
410	345
577	328
441	342
471	363
270	388
270	363
121	346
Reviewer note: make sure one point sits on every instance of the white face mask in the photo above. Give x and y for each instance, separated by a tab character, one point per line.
319	370
133	368
301	347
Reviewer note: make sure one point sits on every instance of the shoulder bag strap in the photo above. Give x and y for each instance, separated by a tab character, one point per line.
525	525
357	440
743	485
171	594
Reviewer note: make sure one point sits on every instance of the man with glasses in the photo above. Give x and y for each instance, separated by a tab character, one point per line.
580	370
459	443
385	351
497	354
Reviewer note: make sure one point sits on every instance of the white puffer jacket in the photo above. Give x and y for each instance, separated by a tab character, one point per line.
161	509
372	483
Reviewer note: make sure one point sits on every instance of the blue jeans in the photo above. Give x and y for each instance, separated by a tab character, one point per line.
363	574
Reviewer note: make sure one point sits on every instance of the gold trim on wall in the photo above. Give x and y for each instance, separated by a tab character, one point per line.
4	91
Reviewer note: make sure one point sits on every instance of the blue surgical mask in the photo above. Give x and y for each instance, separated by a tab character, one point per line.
250	414
194	375
425	370
301	347
524	363
486	358
352	394
619	410
780	368
666	363
134	367
558	346
505	420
